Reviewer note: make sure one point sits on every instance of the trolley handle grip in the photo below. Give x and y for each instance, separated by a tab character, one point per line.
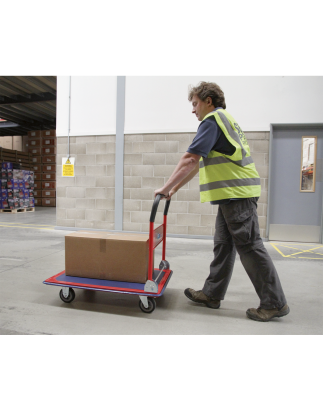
155	206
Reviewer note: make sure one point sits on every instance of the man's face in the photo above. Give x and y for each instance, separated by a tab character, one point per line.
201	108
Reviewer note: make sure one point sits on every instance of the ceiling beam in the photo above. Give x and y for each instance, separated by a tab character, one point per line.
51	81
28	98
37	83
20	112
13	132
6	89
38	125
11	115
30	112
44	108
16	84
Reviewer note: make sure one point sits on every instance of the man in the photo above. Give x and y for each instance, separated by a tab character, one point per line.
228	177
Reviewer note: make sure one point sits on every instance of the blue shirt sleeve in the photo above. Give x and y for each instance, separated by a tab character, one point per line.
207	135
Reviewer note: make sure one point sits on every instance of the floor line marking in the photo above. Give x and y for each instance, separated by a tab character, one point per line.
18	226
294	248
300	251
306	251
278	250
27	224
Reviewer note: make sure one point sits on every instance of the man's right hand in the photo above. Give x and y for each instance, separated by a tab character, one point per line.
172	191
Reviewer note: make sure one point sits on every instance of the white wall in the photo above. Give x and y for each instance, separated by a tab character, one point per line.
93	105
156	104
159	104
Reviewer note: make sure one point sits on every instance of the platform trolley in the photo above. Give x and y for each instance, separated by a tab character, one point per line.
148	292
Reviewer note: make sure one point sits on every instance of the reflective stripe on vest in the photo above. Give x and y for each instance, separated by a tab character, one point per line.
223	176
230	183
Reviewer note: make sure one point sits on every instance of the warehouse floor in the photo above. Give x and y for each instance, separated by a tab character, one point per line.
31	250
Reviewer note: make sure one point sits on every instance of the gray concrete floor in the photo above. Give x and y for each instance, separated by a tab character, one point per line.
31	251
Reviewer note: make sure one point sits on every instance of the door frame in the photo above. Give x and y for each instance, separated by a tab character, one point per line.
271	137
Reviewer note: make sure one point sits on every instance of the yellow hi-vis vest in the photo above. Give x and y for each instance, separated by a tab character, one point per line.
223	176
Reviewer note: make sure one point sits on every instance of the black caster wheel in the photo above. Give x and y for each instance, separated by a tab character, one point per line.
151	305
164	264
70	298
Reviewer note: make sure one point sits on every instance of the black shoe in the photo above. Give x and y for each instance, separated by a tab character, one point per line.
200	297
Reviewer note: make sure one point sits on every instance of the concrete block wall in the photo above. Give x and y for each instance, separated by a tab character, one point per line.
87	200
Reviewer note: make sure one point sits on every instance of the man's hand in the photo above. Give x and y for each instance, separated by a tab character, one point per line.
166	196
162	192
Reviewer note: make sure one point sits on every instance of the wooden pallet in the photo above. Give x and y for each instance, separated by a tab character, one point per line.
18	210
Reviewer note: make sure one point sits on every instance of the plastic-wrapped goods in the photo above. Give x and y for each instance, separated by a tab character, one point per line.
7	166
16	187
18	174
4	203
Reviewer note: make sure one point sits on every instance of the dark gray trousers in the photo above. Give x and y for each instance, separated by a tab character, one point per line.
237	229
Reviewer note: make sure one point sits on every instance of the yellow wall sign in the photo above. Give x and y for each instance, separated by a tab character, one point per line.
68	167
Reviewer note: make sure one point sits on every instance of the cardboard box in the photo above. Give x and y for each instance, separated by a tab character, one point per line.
37	201
49	176
34	133
49	159
48	193
25	144
46	133
49	141
6	142
17	143
36	159
47	150
106	255
37	185
49	168
48	185
48	202
34	142
34	151
37	168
